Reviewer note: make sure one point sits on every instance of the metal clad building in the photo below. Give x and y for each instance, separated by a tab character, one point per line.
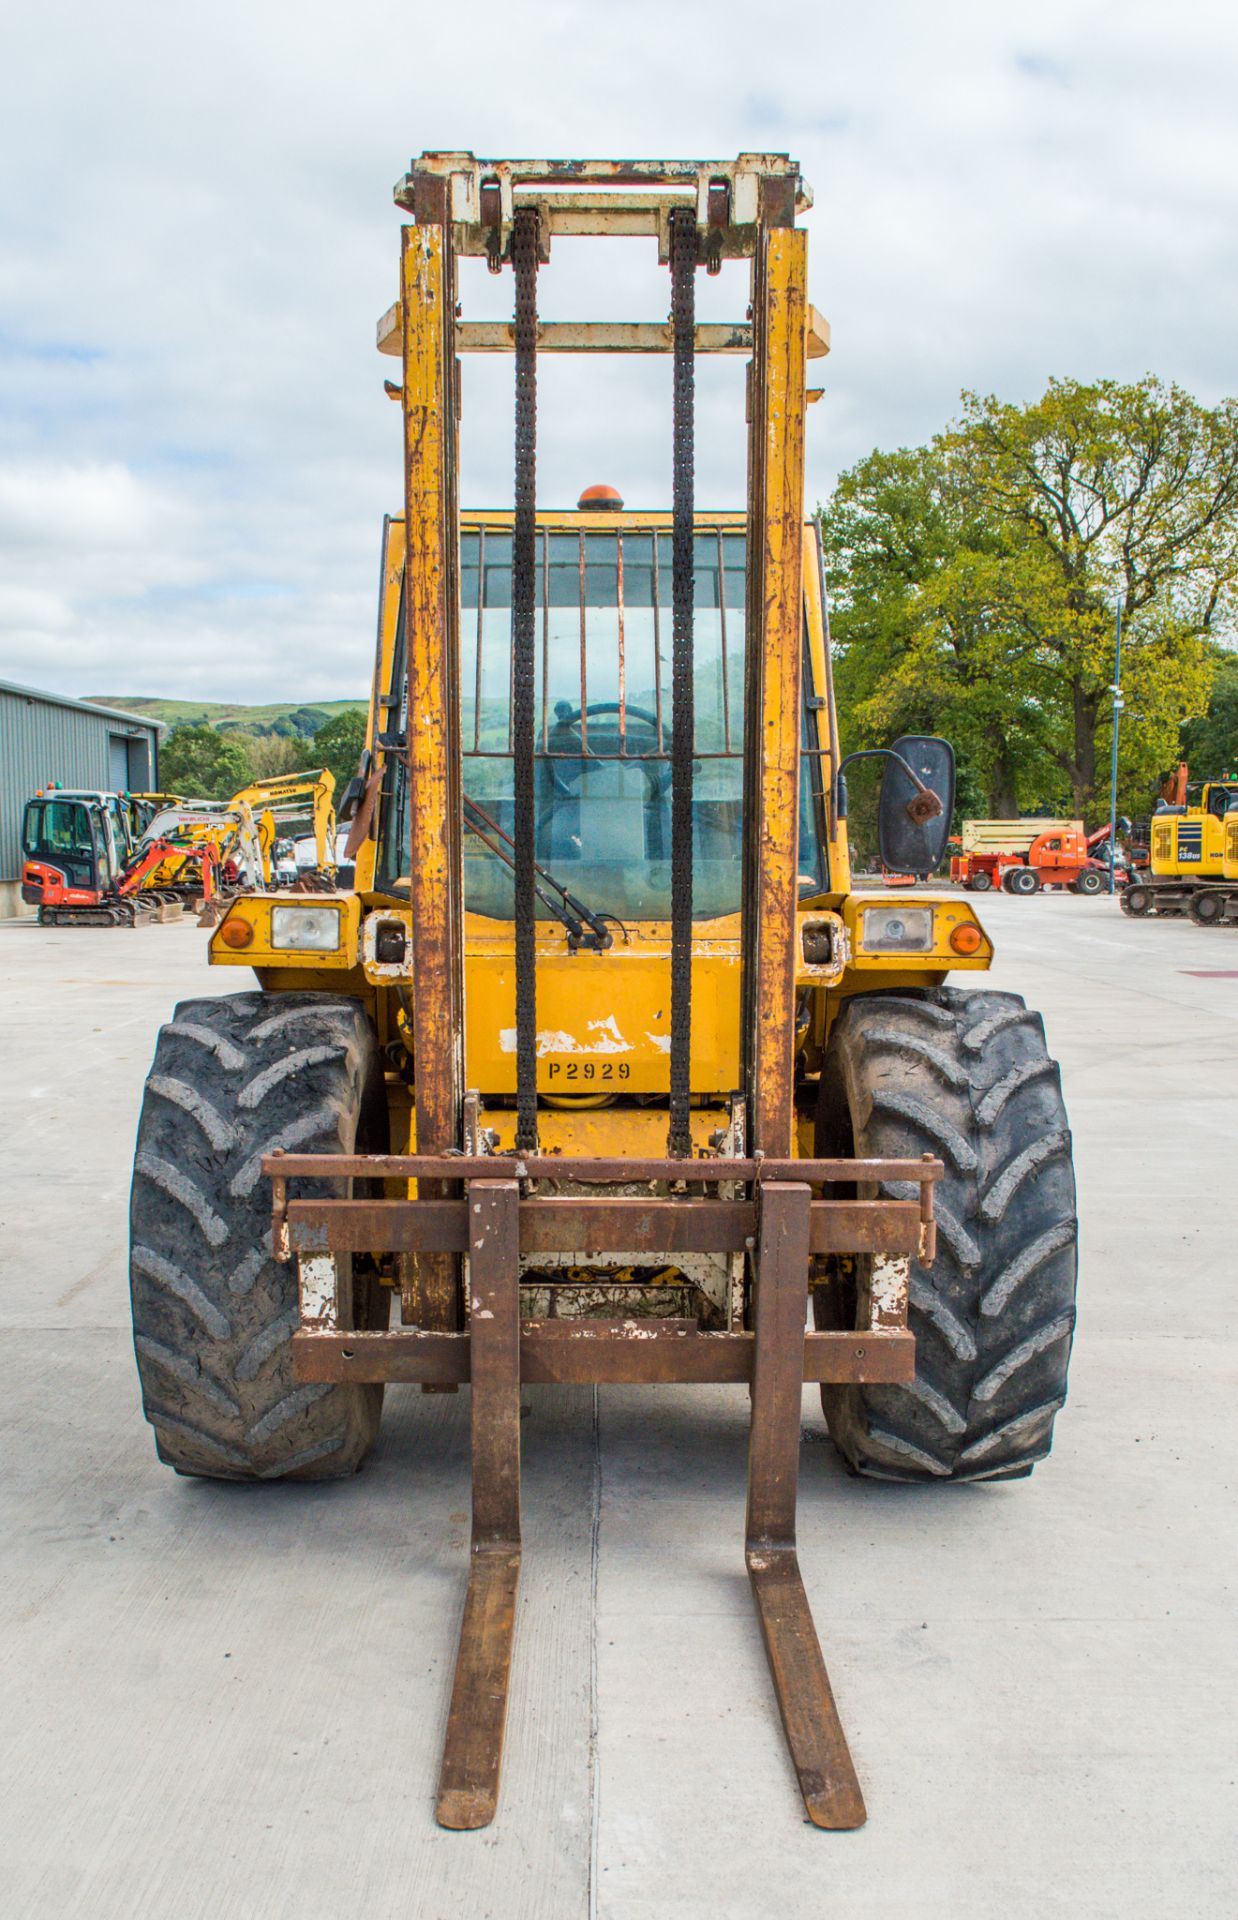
46	737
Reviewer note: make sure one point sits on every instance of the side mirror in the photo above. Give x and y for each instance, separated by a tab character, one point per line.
913	834
354	792
350	799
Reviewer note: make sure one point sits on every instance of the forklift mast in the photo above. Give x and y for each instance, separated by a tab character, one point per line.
697	212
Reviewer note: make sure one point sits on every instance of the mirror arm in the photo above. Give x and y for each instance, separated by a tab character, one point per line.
882	753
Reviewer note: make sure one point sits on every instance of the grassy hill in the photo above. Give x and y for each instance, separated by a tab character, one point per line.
283	717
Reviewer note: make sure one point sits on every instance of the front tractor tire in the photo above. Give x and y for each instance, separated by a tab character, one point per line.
967	1078
213	1313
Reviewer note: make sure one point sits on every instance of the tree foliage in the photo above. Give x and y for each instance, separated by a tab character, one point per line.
211	763
202	764
339	744
1210	743
976	583
270	754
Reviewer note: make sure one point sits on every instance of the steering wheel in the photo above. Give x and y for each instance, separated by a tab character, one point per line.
566	738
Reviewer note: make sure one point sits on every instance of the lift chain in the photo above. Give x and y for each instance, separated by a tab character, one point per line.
524	620
683	253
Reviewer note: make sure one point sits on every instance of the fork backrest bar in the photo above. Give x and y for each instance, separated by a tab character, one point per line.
398	1166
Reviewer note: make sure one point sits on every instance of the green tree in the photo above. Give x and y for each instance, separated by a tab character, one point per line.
339	745
1113	496
977	579
926	632
269	754
202	764
1210	743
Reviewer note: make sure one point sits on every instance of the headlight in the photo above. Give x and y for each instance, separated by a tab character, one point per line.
897	930
311	929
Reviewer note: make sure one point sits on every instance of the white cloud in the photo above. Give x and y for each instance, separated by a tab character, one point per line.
31	615
196	236
86	513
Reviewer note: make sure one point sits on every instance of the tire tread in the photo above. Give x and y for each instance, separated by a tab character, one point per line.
994	1316
213	1314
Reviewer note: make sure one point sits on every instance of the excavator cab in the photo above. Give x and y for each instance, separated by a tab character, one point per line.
64	841
73	849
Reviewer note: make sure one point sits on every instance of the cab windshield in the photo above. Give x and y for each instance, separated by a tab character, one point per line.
58	832
604	723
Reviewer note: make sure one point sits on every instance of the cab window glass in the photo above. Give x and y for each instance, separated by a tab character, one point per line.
604	724
59	833
56	826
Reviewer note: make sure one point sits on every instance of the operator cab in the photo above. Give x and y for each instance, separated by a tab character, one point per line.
604	718
74	839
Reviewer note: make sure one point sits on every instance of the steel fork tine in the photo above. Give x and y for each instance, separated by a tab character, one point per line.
468	1787
810	1719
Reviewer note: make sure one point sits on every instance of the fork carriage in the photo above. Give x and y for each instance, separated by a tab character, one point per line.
503	1216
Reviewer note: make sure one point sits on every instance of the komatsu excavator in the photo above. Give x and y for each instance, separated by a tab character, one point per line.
1186	871
604	1072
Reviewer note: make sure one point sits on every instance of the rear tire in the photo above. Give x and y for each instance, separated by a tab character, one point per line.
1089	881
213	1314
1021	880
967	1077
981	882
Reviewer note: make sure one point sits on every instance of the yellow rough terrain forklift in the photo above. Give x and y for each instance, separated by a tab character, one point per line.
604	1073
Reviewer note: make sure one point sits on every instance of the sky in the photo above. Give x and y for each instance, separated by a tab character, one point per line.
197	236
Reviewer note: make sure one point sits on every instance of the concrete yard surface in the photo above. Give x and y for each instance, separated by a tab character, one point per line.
227	1703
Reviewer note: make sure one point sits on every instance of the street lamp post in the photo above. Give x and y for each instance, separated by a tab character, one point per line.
1116	690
